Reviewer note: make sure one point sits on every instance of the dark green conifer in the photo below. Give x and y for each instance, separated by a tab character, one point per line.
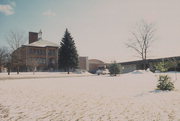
68	56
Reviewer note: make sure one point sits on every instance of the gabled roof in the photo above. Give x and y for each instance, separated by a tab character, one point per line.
42	43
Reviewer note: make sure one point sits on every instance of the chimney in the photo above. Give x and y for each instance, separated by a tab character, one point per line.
33	37
40	35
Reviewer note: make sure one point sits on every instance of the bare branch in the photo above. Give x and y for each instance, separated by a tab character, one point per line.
135	48
142	38
15	39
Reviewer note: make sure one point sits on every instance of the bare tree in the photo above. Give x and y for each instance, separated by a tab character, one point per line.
33	63
3	56
15	39
142	38
8	63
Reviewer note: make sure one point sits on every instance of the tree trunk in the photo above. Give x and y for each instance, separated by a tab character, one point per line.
8	71
144	64
68	70
8	68
18	70
33	71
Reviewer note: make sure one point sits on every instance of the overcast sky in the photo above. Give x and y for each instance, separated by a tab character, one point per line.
100	28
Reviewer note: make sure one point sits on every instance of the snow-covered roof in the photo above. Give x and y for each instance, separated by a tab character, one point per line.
96	61
42	43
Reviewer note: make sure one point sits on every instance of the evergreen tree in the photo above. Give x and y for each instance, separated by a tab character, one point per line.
114	69
68	56
165	83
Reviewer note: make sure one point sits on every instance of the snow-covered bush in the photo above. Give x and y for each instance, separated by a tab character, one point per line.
165	83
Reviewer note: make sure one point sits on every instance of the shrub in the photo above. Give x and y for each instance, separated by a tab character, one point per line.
165	83
165	66
161	66
114	69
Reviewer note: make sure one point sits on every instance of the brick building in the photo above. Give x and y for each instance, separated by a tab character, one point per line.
95	64
83	63
39	54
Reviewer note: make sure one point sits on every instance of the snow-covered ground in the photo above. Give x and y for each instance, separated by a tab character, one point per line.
128	97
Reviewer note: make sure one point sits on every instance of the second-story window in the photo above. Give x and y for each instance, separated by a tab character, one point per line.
51	52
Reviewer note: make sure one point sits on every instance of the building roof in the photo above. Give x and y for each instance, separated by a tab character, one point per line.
151	60
95	61
42	43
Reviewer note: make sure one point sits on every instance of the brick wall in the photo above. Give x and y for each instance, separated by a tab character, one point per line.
33	37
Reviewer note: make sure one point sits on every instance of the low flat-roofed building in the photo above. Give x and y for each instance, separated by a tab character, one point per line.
138	64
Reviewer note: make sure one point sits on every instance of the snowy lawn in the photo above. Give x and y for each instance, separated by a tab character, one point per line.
128	97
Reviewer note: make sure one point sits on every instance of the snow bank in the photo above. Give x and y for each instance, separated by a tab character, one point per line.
141	72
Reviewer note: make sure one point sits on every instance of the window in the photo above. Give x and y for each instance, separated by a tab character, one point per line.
51	52
30	51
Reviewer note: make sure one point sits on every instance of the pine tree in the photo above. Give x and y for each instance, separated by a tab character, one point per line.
114	69
68	56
